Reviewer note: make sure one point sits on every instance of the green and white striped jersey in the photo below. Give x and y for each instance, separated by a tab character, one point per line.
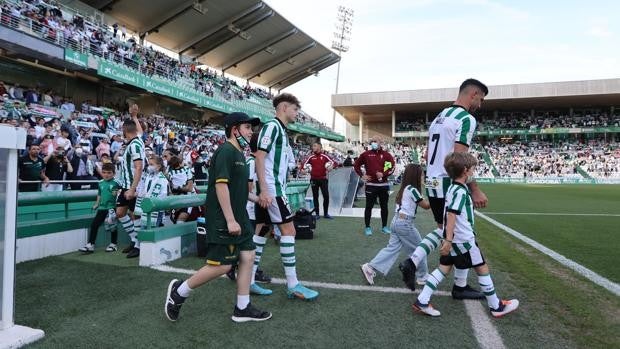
274	141
459	202
127	171
409	201
453	125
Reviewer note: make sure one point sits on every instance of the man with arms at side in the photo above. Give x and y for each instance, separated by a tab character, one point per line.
320	165
379	165
229	232
271	169
32	168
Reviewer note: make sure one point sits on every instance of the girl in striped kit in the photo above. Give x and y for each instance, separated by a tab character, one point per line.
404	233
154	185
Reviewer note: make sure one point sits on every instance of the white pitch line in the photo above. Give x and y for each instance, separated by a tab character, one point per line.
554	214
334	286
580	269
485	332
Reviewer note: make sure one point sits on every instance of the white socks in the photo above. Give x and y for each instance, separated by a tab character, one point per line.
460	277
287	252
260	242
243	301
433	280
184	290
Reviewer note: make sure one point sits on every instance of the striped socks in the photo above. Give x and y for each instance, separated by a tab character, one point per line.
260	242
487	287
428	244
287	252
433	280
128	228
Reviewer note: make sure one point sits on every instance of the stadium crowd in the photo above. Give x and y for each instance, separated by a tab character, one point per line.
548	120
544	159
58	24
525	121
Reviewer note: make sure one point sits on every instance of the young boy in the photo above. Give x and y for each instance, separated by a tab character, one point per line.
229	232
459	247
106	201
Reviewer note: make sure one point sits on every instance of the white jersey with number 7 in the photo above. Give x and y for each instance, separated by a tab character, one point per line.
453	125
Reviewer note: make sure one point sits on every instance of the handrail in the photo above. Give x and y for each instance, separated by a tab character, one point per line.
55	197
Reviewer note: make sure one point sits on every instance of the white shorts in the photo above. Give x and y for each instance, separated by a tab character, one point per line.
278	212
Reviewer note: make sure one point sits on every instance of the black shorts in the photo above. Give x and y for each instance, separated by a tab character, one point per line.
473	258
437	205
279	212
121	201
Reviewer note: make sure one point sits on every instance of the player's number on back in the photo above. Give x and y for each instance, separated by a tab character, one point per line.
434	138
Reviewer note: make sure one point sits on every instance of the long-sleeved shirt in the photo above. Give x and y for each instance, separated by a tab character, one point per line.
318	162
375	161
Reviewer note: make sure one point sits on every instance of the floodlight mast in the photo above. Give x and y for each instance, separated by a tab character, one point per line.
342	35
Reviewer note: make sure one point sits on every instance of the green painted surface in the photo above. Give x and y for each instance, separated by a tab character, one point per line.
167	232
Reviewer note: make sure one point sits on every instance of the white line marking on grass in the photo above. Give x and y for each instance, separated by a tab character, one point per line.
334	286
484	330
554	214
580	269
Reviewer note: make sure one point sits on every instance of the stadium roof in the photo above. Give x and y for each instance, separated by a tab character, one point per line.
245	38
378	106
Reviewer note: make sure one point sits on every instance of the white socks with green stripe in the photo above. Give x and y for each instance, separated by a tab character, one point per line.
128	228
287	252
260	242
428	244
137	225
432	281
487	287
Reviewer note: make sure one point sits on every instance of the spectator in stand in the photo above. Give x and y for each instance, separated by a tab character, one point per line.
57	166
32	168
83	169
67	105
200	169
378	166
319	164
103	147
117	142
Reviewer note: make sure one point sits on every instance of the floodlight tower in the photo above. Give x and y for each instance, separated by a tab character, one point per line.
342	35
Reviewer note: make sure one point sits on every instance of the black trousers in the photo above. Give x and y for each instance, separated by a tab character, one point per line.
97	222
372	193
316	185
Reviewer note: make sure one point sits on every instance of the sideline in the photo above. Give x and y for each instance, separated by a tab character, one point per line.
330	285
484	330
580	269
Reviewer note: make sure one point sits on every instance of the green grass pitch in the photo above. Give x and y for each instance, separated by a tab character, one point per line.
106	301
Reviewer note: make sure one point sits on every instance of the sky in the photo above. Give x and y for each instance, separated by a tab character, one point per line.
421	44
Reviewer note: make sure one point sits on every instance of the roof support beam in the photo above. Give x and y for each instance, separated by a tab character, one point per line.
262	46
304	69
230	35
280	60
221	25
289	81
167	17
